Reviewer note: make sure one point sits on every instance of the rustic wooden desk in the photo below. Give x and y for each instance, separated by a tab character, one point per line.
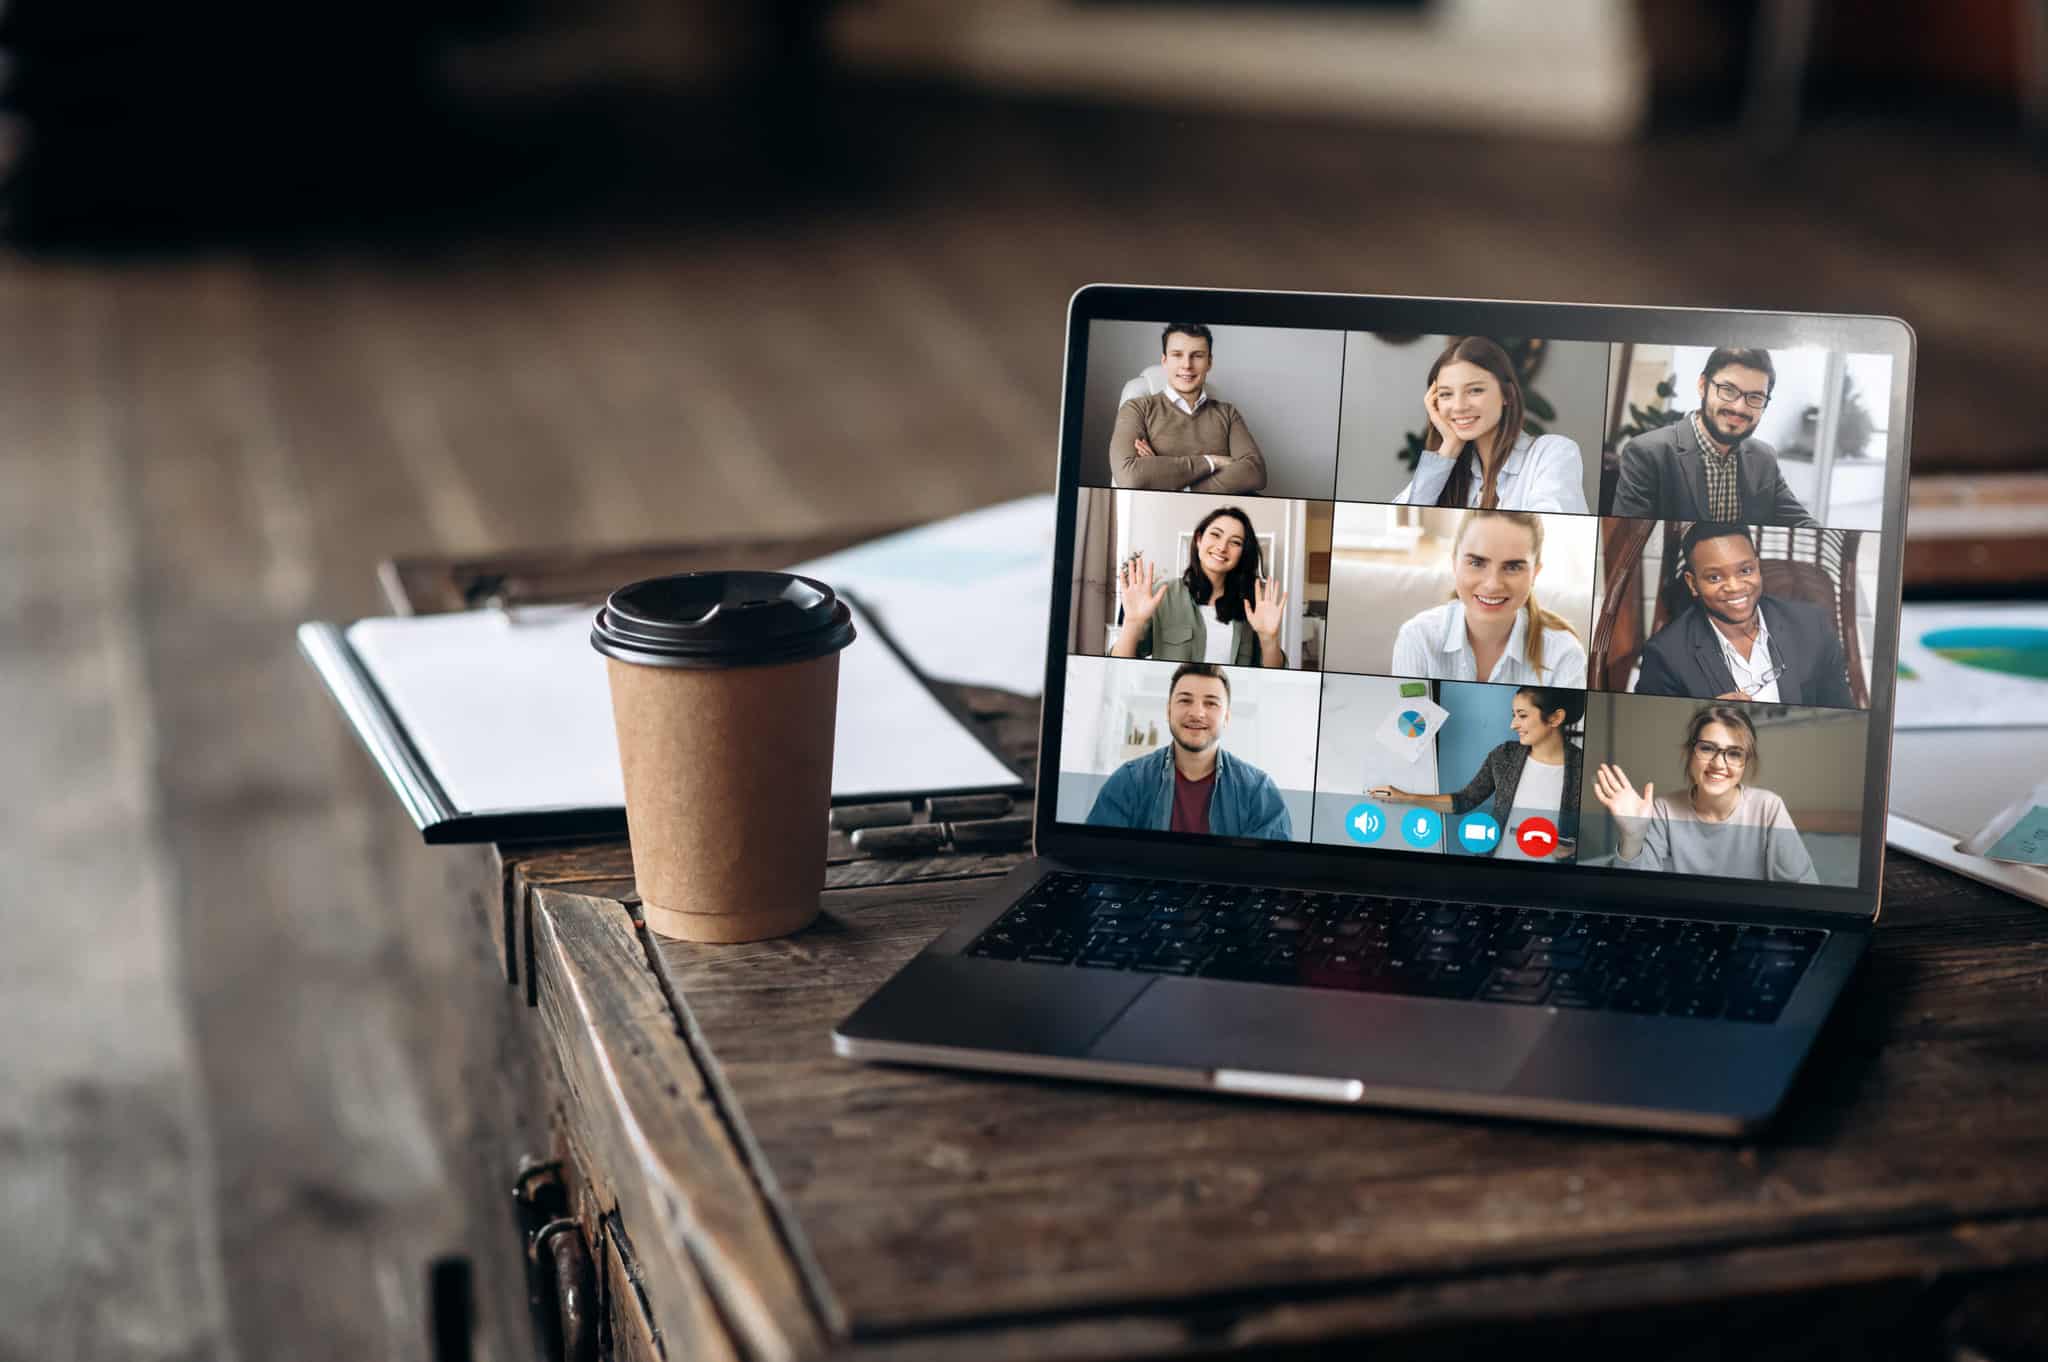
743	1193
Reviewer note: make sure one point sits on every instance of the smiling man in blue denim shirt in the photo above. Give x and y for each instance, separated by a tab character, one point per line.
1193	785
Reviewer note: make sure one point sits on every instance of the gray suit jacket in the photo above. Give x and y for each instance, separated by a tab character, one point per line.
1664	477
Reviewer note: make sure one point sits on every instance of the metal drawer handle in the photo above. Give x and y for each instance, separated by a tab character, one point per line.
559	1251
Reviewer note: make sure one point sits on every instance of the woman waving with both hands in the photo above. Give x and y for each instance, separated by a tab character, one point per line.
1222	609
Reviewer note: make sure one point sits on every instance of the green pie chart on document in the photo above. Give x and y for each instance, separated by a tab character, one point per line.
2012	651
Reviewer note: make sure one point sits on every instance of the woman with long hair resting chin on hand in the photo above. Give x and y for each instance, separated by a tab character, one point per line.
1474	450
1493	629
1222	609
1722	825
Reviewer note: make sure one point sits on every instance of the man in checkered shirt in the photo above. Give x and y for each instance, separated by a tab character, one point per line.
1706	467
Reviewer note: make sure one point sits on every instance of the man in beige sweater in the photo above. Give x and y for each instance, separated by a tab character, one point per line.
1183	440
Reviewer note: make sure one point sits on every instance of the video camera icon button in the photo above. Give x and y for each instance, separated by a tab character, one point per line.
1364	823
1478	832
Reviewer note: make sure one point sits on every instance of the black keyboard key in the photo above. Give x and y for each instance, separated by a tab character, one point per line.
1507	993
1233	962
1156	966
1185	912
1106	959
1688	1004
1453	981
989	948
1754	1010
1779	967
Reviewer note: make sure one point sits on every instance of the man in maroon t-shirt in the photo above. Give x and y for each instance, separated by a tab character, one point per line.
1196	714
1192	784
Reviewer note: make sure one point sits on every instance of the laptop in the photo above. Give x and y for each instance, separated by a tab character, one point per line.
1450	705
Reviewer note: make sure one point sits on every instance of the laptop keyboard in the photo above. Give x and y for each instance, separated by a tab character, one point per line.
1495	953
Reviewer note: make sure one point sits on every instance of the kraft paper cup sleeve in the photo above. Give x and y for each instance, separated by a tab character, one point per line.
728	776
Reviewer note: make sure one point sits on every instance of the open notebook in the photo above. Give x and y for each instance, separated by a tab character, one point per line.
494	727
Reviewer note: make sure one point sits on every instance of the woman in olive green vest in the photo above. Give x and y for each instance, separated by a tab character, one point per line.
1223	609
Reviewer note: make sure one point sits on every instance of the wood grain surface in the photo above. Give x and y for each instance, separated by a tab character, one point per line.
935	1200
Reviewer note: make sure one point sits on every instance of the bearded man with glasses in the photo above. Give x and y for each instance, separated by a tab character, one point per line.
1707	466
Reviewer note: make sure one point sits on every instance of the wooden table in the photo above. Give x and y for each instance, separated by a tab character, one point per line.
745	1194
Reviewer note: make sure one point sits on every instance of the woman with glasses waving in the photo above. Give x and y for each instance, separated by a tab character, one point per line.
1722	825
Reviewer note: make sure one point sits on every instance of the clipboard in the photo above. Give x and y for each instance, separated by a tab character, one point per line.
437	700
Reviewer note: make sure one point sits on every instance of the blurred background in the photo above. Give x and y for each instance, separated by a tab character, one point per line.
286	292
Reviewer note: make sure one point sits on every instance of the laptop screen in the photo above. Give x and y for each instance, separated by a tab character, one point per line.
1610	604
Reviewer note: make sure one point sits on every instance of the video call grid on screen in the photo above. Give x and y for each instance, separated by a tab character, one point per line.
1348	405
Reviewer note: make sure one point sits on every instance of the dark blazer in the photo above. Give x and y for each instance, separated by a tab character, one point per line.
1500	775
1684	657
1663	478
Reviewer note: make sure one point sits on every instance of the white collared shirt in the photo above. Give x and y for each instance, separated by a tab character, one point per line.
1433	644
1747	671
1541	473
1173	396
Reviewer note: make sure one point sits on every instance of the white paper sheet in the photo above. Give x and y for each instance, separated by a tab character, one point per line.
515	713
967	598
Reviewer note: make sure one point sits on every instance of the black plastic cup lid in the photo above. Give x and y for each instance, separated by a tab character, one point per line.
722	619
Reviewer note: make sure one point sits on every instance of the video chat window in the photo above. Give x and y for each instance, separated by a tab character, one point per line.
1123	719
1450	768
1758	792
1441	593
1410	399
1267	418
1812	426
1186	577
1736	612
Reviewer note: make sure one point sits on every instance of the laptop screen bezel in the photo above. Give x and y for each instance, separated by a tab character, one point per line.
1395	872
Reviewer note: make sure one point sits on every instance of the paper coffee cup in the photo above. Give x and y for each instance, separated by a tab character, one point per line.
725	687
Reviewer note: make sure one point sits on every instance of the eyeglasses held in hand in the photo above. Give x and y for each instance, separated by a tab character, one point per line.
1753	687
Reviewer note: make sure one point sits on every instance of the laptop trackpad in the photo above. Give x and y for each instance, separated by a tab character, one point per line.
1380	1040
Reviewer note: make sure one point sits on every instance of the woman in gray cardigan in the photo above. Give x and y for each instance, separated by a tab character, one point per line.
1535	775
1222	609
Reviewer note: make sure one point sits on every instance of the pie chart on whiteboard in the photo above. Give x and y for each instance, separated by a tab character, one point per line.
1412	725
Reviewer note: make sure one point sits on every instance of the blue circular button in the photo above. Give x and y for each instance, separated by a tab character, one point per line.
1364	822
1422	828
1478	832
